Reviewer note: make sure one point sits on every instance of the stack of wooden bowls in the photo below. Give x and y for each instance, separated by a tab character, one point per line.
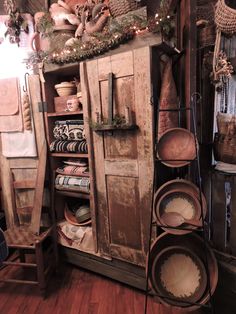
179	196
183	275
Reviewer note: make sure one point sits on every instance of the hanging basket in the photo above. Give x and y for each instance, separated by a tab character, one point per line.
225	18
226	123
120	7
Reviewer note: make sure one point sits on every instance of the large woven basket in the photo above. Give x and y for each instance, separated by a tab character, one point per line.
225	148
120	7
226	123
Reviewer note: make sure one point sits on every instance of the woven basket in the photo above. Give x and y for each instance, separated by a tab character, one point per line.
225	17
224	148
120	7
226	123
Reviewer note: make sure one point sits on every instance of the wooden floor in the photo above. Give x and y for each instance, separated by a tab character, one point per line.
75	291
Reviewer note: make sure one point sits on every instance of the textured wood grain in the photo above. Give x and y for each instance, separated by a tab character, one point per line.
123	159
74	291
233	217
89	138
94	105
219	211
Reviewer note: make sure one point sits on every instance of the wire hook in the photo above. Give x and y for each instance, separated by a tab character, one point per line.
196	97
25	87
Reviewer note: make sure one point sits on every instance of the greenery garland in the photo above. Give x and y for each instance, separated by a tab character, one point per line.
15	22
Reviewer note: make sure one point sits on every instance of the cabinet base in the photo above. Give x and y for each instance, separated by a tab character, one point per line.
118	270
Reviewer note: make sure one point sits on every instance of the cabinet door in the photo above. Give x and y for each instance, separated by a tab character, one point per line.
123	160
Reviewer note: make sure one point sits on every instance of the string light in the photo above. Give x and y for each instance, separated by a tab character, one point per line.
112	37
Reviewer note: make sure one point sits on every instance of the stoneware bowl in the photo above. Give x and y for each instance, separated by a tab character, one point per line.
180	275
66	88
71	218
196	245
178	201
83	214
176	147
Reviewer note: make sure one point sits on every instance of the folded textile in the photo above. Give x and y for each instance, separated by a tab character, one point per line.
9	95
19	144
72	170
77	237
80	184
69	130
69	146
82	162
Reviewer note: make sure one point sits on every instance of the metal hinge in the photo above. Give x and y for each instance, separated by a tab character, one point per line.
43	107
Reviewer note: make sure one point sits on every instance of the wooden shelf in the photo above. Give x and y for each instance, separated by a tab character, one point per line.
87	175
69	155
105	128
73	194
65	69
64	113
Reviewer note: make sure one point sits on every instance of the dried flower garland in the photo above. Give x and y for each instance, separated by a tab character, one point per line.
223	68
15	22
113	34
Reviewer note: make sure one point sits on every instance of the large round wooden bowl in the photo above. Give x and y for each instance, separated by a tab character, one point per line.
180	275
196	245
181	185
176	147
178	201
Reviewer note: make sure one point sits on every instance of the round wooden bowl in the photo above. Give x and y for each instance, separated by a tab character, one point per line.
182	185
182	202
180	275
176	147
195	244
70	217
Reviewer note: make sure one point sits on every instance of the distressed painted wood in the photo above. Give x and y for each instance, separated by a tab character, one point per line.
223	212
18	172
7	192
93	88
123	159
233	217
219	211
89	138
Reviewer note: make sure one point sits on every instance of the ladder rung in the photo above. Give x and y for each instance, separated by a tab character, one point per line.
31	282
19	264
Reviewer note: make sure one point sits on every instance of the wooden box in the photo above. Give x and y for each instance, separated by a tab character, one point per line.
60	102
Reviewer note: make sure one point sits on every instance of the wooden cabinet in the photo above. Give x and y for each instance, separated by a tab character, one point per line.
121	160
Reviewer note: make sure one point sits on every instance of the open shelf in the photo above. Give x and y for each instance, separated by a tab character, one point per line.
69	155
73	194
105	128
64	113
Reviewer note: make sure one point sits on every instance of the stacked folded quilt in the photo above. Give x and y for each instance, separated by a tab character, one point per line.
72	183
69	137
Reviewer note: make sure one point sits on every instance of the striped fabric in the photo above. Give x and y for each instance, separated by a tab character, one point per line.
72	170
80	184
69	146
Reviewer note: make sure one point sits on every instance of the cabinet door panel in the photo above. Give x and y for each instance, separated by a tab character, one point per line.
124	211
123	160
